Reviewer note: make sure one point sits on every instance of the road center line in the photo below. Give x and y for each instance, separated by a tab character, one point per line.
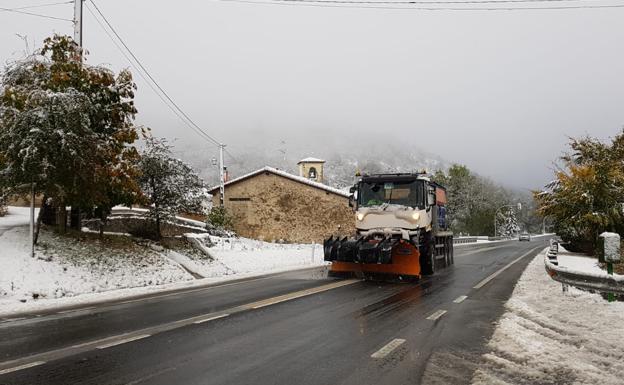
460	299
25	366
299	294
436	315
495	274
388	348
119	342
210	318
479	250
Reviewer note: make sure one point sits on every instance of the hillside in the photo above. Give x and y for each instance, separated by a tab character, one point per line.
341	166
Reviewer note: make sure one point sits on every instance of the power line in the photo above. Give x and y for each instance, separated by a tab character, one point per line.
201	134
402	2
358	5
39	6
206	135
140	72
16	10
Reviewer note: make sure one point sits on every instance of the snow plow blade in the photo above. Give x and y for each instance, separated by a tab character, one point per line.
360	250
388	256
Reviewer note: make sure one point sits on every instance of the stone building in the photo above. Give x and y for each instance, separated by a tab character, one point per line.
273	205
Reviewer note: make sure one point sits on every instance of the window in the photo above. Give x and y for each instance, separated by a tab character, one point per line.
312	173
398	193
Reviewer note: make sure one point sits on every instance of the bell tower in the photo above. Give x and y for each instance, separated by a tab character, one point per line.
312	169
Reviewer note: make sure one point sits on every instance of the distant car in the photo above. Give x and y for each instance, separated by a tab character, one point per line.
524	237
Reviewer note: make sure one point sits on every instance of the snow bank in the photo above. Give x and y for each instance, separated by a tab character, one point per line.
67	266
235	256
548	337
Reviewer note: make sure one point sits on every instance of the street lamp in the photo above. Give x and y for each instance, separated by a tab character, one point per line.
519	206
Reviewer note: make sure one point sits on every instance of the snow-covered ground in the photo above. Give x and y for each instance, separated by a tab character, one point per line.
68	266
233	256
577	262
78	269
550	337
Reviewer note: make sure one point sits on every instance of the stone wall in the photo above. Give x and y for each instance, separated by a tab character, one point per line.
272	208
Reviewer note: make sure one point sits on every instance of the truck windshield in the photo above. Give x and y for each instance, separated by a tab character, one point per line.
398	193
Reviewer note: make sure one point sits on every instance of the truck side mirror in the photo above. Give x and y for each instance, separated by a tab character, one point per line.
351	201
352	189
431	198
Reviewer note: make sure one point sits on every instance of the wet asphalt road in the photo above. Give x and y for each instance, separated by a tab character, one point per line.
322	338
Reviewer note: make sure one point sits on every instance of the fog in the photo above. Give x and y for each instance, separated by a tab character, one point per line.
497	91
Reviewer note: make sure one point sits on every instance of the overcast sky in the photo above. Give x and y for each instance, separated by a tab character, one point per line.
497	91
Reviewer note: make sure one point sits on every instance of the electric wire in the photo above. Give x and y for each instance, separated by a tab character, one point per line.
38	6
141	73
16	10
206	135
358	5
403	2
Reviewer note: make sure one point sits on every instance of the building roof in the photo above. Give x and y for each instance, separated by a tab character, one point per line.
311	160
284	174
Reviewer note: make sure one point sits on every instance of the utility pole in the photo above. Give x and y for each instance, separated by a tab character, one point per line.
221	175
32	220
78	22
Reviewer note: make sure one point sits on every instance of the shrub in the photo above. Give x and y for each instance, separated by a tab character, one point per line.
3	205
220	218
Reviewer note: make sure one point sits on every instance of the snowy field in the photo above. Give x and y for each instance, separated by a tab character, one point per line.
79	269
548	337
244	256
69	266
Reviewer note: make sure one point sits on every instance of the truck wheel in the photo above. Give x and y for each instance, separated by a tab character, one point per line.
427	260
452	251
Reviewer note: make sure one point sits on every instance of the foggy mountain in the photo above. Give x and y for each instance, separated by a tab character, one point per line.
340	167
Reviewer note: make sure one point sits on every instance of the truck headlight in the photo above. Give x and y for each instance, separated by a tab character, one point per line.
360	216
416	216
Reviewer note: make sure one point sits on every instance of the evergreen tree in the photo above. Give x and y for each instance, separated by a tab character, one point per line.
169	185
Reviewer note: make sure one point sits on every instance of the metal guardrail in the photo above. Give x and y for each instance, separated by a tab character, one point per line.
599	282
459	240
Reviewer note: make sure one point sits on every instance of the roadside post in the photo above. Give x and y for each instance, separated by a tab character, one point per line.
611	254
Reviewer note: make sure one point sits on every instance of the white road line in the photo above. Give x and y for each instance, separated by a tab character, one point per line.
25	366
119	342
388	348
494	275
210	318
12	319
479	250
299	294
436	315
75	310
460	299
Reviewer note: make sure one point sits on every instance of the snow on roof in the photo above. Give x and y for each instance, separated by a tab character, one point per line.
288	175
311	160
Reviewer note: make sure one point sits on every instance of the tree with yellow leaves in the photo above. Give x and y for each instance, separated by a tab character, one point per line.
587	196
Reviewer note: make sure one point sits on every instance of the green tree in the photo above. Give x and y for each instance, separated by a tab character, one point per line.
474	200
68	127
169	185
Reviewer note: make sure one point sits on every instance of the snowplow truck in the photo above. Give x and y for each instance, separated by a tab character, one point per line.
401	229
